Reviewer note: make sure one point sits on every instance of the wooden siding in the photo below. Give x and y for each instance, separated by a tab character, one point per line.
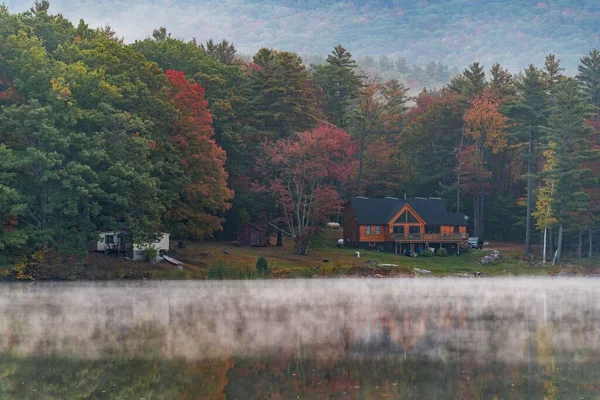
351	232
250	235
373	237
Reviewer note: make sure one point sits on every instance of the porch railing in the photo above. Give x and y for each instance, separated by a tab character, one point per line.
429	236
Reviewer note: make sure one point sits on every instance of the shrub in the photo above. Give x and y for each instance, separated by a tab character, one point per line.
427	253
318	240
151	253
262	266
220	270
442	252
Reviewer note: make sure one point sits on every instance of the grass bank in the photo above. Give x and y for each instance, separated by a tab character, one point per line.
206	260
331	261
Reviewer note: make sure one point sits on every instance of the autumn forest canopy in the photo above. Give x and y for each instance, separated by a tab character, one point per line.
167	135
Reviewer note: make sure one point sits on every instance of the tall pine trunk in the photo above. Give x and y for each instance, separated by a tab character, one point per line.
590	237
361	156
458	194
580	246
481	209
459	172
529	198
475	215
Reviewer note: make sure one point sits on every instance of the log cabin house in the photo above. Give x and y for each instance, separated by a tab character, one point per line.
403	226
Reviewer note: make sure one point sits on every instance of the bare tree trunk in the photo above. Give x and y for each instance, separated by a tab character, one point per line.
551	240
301	246
279	239
544	246
560	244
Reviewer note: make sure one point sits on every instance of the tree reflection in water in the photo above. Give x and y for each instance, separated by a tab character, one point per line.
534	338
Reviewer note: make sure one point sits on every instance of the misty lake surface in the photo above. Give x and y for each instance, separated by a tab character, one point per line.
307	339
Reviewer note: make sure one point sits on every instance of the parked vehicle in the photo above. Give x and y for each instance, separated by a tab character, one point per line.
475	243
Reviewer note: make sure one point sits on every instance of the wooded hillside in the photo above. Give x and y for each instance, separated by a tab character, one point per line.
165	135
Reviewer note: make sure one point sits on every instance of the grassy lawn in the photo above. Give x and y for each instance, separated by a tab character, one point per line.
284	263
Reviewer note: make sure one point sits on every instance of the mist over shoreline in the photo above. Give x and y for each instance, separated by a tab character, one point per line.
430	318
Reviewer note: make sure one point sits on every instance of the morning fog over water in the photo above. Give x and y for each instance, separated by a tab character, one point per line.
342	338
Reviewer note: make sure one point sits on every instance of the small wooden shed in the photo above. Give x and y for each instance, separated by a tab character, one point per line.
253	235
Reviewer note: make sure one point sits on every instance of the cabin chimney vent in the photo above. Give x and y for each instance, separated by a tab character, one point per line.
404	196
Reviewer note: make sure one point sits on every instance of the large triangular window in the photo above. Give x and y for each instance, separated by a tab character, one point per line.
406	217
411	218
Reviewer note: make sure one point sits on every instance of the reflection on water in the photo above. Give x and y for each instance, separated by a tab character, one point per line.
392	338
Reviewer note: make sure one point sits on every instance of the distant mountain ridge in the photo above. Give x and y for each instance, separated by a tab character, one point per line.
453	32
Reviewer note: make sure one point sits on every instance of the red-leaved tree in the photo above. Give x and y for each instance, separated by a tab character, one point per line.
204	192
302	173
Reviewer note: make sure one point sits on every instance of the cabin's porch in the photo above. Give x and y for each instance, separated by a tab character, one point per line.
455	243
429	237
409	248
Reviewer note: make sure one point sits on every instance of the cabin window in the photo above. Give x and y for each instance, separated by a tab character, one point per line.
377	230
372	244
109	239
414	230
368	229
399	229
432	229
456	229
407	217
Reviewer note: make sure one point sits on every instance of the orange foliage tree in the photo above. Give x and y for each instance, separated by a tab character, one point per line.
203	194
485	125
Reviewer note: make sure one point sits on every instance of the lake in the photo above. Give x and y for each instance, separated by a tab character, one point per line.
425	338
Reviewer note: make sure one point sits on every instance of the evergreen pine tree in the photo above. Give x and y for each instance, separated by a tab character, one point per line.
567	129
589	76
529	113
340	84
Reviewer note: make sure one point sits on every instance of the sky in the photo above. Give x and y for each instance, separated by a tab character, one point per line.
455	32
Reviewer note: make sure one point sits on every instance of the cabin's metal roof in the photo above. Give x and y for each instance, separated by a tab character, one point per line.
377	211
